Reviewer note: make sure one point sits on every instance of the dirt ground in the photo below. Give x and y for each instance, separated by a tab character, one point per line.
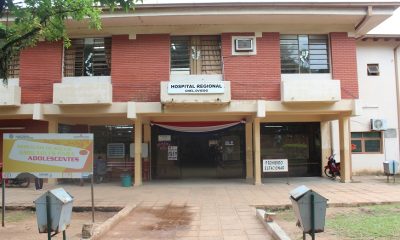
21	225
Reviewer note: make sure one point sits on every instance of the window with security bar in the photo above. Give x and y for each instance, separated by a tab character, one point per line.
88	57
304	54
196	55
13	67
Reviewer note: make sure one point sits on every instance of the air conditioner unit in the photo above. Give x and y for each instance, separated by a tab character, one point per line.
244	45
378	124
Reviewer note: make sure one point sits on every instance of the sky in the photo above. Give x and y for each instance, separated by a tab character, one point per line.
390	26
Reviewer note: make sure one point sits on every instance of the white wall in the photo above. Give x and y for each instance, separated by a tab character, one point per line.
378	99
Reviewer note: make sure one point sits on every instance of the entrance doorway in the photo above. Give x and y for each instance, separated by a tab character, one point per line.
300	143
216	154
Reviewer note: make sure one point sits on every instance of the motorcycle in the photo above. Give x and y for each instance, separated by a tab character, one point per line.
332	169
15	182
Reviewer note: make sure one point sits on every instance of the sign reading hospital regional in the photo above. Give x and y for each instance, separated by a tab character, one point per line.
48	155
275	165
216	87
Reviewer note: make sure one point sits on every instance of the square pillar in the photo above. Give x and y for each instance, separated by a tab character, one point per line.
249	151
257	151
326	144
345	152
146	161
53	128
138	152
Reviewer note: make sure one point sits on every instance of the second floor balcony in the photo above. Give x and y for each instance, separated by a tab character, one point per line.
87	66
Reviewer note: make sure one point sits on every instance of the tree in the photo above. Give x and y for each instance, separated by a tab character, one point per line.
24	22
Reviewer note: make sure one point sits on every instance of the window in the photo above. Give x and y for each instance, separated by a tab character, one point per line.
304	54
373	69
13	67
88	57
196	55
366	142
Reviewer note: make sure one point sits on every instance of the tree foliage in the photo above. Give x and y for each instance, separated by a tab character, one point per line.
24	22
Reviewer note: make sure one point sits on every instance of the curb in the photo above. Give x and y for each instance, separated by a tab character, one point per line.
272	227
100	230
74	208
336	205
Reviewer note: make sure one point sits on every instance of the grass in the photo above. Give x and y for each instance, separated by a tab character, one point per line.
371	222
17	216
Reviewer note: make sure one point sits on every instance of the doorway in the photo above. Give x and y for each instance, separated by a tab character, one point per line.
216	154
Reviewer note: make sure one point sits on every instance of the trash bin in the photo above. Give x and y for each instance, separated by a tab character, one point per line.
126	180
60	210
391	167
301	198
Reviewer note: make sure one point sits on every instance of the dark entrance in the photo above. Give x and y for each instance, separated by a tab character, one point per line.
217	154
300	143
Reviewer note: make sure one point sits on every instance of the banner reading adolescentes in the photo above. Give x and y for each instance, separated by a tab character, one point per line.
48	155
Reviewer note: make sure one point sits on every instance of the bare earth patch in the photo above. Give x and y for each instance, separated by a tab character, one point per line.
21	225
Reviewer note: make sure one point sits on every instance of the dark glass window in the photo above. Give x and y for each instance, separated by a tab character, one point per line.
373	69
304	53
180	54
88	57
366	142
300	143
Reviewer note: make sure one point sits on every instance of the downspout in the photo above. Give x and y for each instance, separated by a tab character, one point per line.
397	79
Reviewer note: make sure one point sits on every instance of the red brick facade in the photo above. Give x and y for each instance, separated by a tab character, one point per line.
256	76
138	67
41	67
344	63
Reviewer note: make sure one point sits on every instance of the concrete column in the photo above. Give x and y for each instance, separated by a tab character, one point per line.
52	128
257	151
249	151
345	152
138	152
147	139
326	144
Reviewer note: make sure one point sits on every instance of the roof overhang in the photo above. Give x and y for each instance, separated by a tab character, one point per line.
360	16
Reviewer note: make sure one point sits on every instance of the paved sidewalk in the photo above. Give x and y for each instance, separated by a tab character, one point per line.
274	192
208	209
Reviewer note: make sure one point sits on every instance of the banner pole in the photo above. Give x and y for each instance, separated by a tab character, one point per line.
3	200
92	193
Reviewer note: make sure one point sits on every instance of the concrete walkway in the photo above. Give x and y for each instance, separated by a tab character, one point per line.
273	192
208	209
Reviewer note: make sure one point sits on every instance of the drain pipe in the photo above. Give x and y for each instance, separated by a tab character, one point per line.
397	79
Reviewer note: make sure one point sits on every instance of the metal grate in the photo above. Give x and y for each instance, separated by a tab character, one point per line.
88	57
210	48
13	68
304	54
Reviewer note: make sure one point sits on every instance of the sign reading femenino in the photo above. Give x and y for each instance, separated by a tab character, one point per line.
275	165
216	87
48	155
